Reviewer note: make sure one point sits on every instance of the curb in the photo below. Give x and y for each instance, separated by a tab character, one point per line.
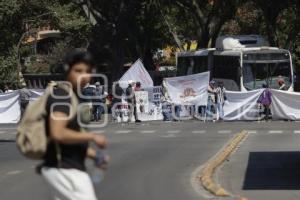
207	173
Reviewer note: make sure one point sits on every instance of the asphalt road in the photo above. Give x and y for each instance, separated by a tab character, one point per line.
267	164
154	161
149	161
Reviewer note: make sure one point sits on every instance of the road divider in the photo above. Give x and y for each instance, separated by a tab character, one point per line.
206	176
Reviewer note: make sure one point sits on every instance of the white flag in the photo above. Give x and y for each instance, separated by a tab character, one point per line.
138	73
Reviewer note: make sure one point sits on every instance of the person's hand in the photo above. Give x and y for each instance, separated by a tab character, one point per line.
103	162
100	141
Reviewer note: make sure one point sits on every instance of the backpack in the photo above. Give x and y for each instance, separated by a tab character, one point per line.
31	137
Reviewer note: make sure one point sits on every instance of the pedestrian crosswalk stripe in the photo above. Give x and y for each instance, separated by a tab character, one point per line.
173	131
199	131
170	135
123	131
252	131
225	131
148	131
275	131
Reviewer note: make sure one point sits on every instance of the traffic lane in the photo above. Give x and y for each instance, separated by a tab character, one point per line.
142	164
265	167
158	168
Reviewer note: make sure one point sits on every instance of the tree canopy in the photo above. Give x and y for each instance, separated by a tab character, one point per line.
120	31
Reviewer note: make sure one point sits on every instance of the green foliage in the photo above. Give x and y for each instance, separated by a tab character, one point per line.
72	23
8	68
120	31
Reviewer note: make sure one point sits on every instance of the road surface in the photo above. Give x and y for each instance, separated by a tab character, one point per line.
155	160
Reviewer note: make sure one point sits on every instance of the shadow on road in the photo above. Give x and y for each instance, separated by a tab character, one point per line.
7	141
273	171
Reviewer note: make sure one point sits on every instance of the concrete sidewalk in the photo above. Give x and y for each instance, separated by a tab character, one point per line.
265	167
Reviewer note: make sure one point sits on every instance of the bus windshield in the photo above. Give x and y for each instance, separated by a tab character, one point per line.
255	74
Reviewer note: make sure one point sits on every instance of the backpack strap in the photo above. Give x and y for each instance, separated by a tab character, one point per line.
73	112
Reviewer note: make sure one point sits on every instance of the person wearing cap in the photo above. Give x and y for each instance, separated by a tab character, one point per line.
99	99
25	95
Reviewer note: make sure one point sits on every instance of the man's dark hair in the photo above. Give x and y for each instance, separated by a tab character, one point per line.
77	56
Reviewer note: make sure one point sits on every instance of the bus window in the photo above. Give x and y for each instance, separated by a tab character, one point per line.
282	69
226	68
188	65
181	66
201	64
257	74
191	65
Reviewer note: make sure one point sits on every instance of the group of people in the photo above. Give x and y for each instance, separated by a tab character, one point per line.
95	95
212	111
120	95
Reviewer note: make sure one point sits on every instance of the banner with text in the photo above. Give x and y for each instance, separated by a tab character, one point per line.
188	90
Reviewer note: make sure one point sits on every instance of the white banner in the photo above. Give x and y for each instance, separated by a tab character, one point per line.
138	73
188	90
142	103
242	105
285	105
9	107
151	98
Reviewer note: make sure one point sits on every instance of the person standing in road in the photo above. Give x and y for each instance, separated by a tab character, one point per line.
64	162
116	101
220	99
211	102
130	97
138	87
89	93
25	95
265	100
99	98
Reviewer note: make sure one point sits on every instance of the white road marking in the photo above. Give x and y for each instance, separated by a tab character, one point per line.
148	131
168	136
2	132
14	172
251	131
275	132
173	131
123	131
297	131
199	132
225	131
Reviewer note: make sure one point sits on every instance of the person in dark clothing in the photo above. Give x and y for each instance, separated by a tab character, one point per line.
117	100
25	95
89	93
99	99
64	163
130	97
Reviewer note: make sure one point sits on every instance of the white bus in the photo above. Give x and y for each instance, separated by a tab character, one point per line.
242	63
